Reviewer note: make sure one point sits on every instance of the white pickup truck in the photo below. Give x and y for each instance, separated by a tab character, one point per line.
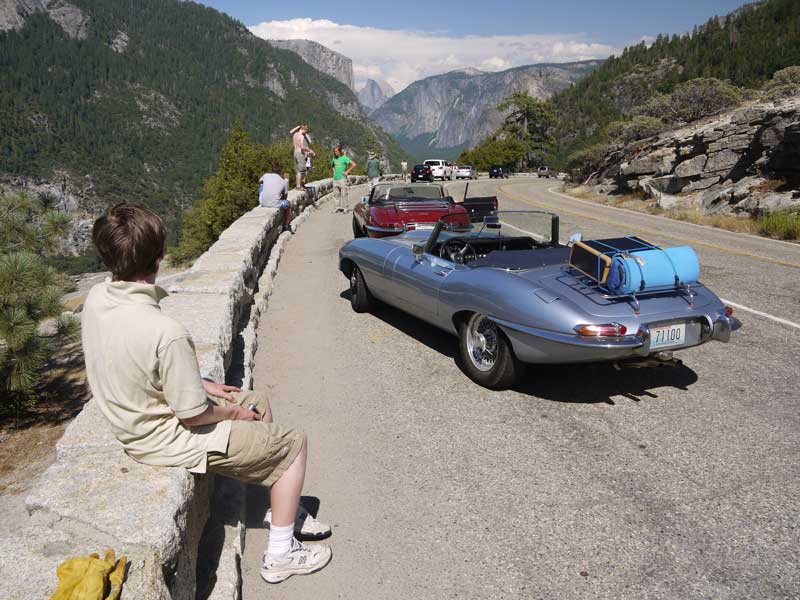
440	168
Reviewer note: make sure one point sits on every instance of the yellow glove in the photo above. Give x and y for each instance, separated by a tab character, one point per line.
86	578
116	577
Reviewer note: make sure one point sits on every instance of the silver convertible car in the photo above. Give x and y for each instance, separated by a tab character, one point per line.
507	289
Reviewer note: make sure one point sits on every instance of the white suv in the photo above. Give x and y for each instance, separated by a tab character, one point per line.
440	168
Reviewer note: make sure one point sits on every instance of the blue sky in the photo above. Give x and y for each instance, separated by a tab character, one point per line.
390	40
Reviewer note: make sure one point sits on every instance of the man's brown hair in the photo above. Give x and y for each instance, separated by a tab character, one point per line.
130	239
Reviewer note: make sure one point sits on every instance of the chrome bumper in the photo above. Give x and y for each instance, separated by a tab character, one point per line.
536	345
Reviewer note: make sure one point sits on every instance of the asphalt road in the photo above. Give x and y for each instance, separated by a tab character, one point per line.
583	482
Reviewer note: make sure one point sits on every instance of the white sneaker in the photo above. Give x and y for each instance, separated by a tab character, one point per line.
305	525
301	560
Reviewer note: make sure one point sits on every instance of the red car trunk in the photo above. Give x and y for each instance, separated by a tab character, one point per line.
408	215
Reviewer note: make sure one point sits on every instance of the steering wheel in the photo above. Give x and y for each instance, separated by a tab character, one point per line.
460	255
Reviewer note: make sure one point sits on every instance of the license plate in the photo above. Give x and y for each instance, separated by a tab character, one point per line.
425	226
668	336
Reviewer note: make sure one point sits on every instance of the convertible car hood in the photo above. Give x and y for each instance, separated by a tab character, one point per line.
554	284
414	212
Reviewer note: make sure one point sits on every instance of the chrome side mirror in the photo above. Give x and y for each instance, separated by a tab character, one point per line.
418	251
575	237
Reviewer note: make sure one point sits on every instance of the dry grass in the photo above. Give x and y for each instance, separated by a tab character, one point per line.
782	225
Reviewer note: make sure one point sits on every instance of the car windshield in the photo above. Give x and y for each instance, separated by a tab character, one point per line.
433	163
541	227
465	168
407	193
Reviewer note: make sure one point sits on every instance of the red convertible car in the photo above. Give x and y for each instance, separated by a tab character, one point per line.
393	208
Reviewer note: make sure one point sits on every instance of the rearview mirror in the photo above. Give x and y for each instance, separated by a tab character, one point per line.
418	251
491	222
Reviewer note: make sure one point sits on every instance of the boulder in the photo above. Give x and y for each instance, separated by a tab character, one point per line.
701	184
716	200
722	162
732	142
692	167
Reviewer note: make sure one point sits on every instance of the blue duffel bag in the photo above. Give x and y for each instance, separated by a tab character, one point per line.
652	270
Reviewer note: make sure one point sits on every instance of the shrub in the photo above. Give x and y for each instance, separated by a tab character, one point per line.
692	100
784	225
30	294
784	84
585	162
638	128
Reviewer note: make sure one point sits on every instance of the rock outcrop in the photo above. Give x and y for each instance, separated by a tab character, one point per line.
744	161
14	14
321	58
459	108
374	94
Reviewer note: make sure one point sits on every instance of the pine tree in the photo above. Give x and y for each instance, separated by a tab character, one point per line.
30	295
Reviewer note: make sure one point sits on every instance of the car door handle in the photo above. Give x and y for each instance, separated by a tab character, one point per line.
444	273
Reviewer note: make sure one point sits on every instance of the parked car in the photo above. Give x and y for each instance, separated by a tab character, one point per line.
392	208
466	172
440	168
544	172
421	173
499	172
508	291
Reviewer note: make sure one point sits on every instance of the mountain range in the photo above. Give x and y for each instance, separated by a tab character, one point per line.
445	114
109	100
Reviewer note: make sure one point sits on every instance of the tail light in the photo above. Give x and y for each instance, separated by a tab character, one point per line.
606	330
728	311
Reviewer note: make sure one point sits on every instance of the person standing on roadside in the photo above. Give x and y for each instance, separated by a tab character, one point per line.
374	170
341	166
273	192
404	169
301	152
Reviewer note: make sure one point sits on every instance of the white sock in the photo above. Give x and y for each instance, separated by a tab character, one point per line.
280	541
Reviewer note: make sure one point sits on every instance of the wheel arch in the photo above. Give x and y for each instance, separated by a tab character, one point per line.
346	266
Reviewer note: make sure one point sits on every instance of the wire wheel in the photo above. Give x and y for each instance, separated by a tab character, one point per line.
482	342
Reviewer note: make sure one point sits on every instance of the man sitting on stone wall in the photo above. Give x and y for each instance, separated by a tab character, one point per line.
144	375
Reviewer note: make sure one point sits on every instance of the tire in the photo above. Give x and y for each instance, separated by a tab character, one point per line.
357	231
360	298
478	338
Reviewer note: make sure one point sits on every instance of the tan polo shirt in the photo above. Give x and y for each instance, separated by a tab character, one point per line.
143	373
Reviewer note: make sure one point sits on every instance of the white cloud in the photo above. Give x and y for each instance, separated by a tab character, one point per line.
402	57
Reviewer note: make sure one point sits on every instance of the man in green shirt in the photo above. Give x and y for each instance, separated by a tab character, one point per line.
341	166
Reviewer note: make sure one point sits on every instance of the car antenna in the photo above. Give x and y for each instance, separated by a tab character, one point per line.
466	189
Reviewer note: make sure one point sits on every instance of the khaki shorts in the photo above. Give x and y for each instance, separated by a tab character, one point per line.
258	452
299	161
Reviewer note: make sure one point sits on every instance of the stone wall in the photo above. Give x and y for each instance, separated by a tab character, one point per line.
744	161
94	497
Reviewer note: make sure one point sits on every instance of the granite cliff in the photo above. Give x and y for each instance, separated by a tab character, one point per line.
374	94
15	13
458	109
745	161
321	58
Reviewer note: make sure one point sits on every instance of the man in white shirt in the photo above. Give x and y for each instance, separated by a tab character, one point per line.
273	192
